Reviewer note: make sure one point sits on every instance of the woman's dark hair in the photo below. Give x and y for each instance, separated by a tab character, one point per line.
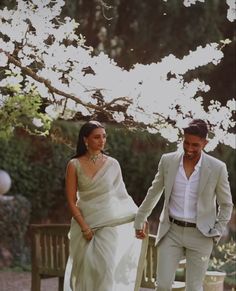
197	127
85	130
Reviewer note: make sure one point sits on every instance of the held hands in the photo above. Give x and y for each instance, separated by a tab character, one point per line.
142	233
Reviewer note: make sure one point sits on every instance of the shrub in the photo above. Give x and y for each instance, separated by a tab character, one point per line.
14	219
37	164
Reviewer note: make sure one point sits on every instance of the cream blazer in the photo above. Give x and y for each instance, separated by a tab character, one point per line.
214	204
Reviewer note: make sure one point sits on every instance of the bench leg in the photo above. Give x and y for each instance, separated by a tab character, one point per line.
61	283
35	282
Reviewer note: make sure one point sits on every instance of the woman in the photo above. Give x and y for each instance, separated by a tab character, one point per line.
103	250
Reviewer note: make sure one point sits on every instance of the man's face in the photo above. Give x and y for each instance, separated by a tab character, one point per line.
193	145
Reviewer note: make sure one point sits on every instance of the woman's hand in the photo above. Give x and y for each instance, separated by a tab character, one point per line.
142	233
88	234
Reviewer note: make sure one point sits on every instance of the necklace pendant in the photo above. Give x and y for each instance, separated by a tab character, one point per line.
94	158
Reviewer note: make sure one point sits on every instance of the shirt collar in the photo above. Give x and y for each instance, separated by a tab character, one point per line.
198	165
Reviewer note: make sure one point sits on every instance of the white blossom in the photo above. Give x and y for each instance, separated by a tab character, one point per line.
153	96
118	116
170	133
231	12
52	111
231	104
3	60
37	122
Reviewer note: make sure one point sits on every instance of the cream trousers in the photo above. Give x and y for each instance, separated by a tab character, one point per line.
181	242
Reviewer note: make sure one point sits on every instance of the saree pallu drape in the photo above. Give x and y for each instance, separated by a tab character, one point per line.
109	261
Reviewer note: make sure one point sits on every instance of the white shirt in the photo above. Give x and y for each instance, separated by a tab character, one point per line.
183	199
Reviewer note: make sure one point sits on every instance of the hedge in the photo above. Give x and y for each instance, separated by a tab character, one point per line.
37	164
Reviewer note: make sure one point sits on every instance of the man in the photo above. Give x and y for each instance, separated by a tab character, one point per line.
191	220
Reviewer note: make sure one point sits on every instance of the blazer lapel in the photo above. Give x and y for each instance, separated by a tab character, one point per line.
171	173
204	174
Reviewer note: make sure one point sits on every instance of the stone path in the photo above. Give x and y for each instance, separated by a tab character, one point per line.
21	281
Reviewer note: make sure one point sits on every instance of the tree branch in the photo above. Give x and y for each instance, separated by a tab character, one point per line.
53	90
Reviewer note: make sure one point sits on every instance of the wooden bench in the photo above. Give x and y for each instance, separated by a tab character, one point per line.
49	253
50	250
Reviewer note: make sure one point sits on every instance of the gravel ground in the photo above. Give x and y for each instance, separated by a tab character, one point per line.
21	281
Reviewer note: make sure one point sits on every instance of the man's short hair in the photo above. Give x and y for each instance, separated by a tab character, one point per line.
197	127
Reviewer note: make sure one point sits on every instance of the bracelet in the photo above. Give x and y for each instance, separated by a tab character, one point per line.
79	214
88	230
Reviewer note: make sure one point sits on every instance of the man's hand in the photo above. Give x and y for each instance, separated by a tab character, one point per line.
142	233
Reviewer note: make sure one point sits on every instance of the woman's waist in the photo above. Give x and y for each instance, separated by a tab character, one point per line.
106	201
109	213
111	222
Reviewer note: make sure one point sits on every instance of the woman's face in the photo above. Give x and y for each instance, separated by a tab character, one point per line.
96	140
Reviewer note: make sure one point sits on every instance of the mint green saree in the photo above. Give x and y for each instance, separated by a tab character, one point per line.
109	261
